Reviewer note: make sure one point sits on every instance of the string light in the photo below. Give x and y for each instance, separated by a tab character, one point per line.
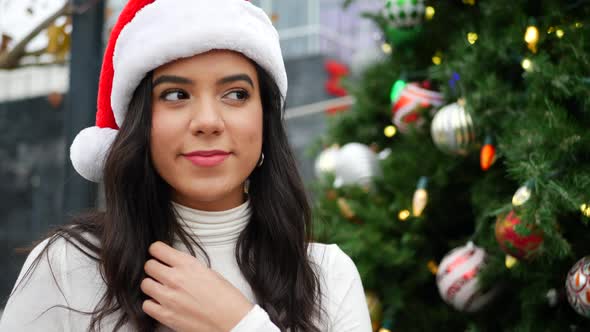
578	25
585	208
559	33
420	198
429	13
487	156
386	48
527	64
523	194
437	58
396	90
472	37
531	37
403	215
345	209
432	267
469	2
390	131
510	261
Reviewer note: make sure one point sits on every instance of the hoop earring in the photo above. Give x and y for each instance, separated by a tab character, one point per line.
246	186
261	160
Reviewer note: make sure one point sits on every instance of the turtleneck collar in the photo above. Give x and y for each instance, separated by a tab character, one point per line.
214	228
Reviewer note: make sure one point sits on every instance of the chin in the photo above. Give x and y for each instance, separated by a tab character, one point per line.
203	194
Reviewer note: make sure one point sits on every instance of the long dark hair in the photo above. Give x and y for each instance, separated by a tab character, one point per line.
271	252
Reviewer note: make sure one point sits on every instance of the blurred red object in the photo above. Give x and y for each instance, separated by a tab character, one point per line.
336	71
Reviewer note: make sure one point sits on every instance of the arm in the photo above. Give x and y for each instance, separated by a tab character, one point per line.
29	306
256	320
352	314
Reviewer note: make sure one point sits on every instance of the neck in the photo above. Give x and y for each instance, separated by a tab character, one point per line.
214	228
234	199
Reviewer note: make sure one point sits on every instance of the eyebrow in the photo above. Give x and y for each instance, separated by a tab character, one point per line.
184	80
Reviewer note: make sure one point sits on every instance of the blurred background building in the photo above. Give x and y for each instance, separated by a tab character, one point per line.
36	102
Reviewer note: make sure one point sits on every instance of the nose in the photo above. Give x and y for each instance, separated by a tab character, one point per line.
207	117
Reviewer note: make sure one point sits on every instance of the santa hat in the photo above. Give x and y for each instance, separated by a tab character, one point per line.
151	33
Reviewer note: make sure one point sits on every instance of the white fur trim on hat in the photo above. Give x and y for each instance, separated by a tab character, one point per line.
89	150
167	30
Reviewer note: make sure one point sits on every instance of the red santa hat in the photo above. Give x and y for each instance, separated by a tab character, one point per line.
151	33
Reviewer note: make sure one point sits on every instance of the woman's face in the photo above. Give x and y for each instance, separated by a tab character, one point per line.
206	135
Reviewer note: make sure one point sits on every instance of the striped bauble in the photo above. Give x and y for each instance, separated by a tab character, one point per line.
578	287
457	278
404	13
452	129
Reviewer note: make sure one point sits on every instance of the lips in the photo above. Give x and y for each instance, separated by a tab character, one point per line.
209	158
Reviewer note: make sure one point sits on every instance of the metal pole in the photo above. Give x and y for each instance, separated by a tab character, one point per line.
85	63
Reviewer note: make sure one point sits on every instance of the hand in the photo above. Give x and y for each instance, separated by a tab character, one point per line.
187	296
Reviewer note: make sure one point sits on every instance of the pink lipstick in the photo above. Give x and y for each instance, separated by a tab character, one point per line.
208	158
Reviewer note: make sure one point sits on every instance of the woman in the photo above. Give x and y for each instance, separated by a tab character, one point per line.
207	226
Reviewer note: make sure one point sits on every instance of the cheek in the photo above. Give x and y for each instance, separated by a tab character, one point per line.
252	136
163	138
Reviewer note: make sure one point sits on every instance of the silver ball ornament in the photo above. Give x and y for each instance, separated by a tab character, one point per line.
356	164
326	161
452	130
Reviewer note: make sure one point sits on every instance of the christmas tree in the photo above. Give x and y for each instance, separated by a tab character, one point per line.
459	182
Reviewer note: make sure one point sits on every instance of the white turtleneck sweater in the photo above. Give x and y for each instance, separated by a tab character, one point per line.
78	283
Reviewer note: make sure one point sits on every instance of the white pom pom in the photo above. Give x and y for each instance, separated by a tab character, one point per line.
89	150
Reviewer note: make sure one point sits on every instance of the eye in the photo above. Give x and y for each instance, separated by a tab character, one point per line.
239	94
174	95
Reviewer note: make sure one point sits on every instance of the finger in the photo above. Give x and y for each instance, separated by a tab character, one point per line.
160	272
155	290
157	311
167	254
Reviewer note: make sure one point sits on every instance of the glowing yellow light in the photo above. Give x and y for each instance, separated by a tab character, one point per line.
390	131
510	261
403	215
432	267
437	58
384	330
522	195
386	47
429	13
550	30
469	2
531	37
527	64
472	37
578	25
585	208
419	201
559	33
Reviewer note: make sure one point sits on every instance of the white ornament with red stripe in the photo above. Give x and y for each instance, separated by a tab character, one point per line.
578	287
457	279
413	100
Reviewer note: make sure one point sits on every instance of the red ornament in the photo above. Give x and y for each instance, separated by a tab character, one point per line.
336	71
517	239
412	101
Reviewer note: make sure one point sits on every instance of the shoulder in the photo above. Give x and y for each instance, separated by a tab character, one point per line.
334	263
55	257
